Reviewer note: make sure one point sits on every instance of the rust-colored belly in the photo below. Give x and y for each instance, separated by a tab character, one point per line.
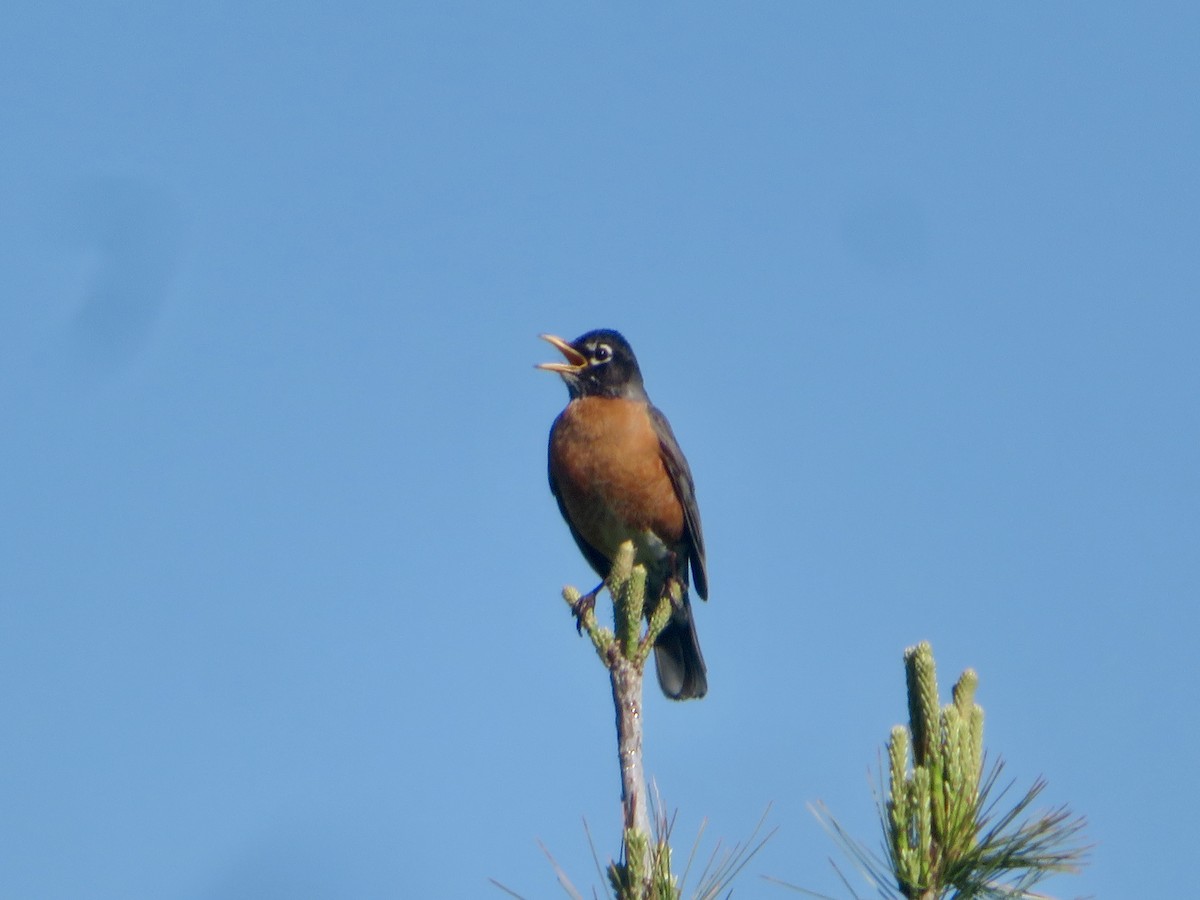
606	460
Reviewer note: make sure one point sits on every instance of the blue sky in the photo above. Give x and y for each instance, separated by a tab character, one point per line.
279	608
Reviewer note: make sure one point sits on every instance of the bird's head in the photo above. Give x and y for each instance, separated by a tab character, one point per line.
598	364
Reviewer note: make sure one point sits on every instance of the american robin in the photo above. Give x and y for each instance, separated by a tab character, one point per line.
618	475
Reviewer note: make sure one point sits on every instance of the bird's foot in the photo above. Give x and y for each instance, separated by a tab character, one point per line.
585	605
673	590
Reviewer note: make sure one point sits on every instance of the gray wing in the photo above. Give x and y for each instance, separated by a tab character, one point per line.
685	490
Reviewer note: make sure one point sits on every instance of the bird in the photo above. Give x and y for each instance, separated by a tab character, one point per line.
619	475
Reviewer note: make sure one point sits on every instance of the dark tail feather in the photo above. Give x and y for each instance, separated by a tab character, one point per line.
681	671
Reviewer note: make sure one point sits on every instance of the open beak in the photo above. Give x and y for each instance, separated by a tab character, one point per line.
576	361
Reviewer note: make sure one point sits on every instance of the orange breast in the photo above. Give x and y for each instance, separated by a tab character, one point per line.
607	464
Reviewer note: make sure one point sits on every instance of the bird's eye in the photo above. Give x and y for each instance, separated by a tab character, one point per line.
602	353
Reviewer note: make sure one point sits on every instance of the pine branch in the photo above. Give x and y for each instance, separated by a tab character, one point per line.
945	835
644	869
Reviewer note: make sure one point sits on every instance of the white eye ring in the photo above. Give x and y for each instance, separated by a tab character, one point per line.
602	353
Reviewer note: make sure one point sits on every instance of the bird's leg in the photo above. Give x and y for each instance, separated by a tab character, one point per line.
674	578
585	605
668	592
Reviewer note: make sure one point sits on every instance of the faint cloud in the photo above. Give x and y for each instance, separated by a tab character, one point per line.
132	229
888	234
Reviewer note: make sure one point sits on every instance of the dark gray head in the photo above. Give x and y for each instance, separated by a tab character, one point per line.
598	364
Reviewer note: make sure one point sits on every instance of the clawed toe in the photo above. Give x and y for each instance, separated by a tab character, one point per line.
583	606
